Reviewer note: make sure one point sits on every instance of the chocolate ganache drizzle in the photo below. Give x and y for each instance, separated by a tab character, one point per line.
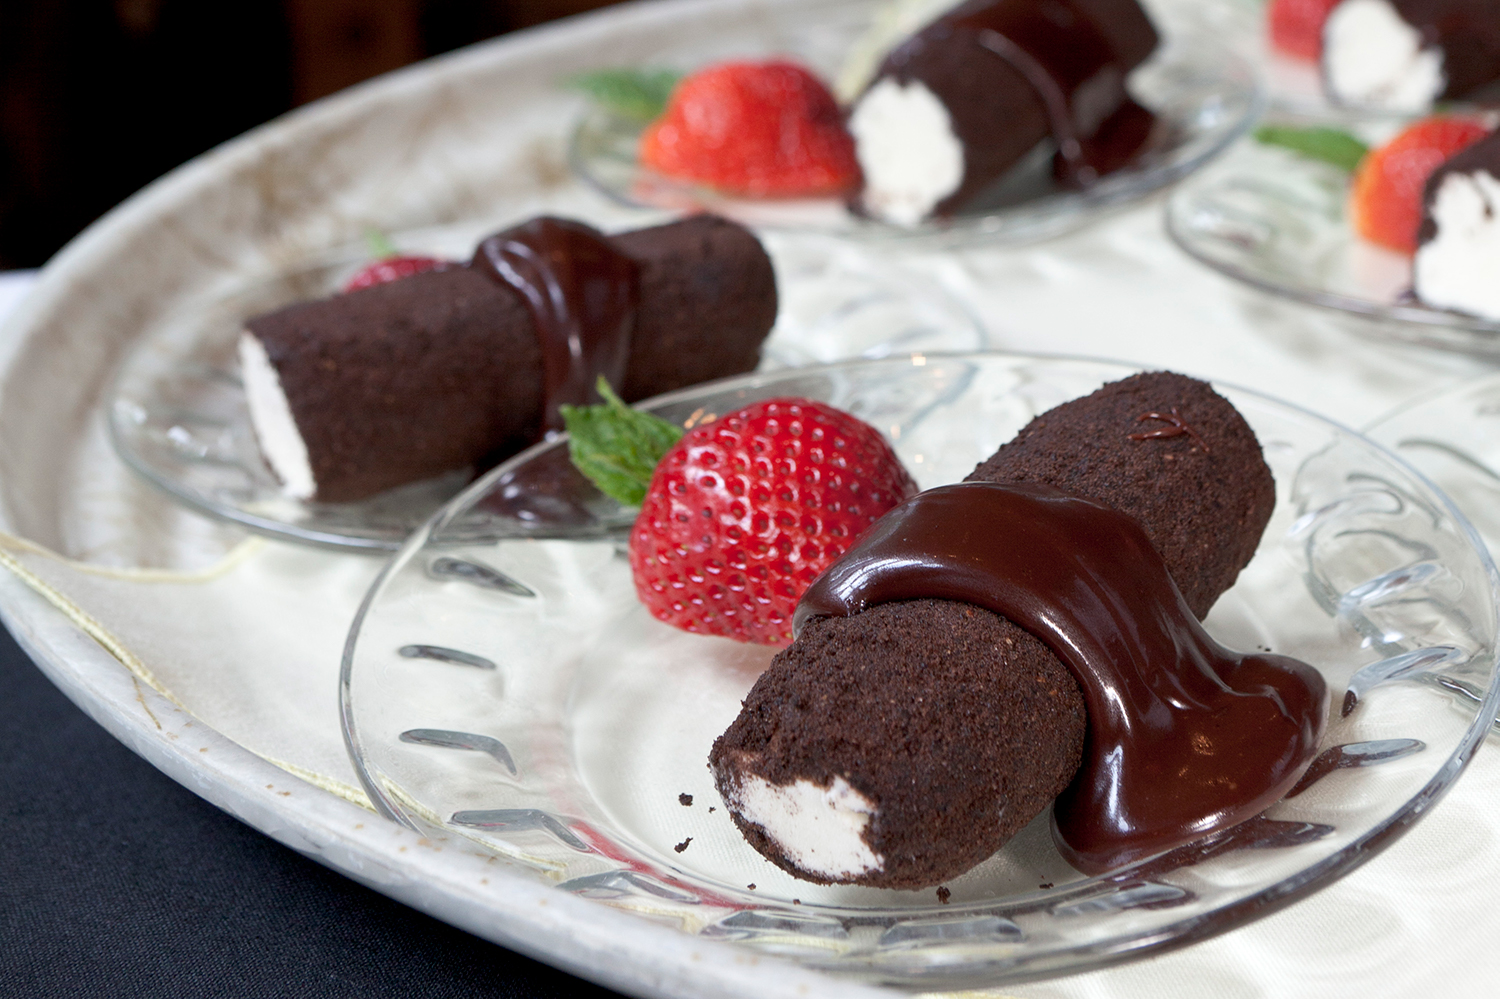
582	294
1185	738
1056	46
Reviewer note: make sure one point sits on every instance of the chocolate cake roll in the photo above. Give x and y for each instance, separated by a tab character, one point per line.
1202	490
910	730
1458	254
1404	55
402	381
957	105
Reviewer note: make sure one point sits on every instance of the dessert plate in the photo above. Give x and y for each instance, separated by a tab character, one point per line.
178	416
1205	94
512	693
1276	221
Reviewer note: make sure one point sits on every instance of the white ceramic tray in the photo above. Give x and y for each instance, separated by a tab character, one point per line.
477	136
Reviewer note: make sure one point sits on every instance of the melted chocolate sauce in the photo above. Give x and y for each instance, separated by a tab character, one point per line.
1075	71
1185	737
582	293
1176	426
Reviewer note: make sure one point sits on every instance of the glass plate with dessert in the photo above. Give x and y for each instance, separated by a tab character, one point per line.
342	401
1369	59
793	683
1399	229
999	120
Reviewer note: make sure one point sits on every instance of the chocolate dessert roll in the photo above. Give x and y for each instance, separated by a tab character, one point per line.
1404	55
402	381
1458	254
958	104
899	744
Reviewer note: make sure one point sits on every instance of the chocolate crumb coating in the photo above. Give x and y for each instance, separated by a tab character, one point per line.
708	299
406	380
960	726
956	723
1204	498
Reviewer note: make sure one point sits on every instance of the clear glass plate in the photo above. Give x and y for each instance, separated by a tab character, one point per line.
509	690
1453	437
1276	221
177	412
1205	94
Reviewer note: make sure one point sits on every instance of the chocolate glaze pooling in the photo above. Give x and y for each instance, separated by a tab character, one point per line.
1185	737
582	294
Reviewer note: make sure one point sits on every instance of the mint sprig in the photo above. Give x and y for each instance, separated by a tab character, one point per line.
379	245
1330	145
617	447
639	94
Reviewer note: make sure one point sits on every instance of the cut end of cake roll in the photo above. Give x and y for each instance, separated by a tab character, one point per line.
1457	265
276	432
1373	57
900	747
906	147
819	829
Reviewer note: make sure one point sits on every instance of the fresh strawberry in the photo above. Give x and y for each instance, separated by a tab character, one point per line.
1386	203
743	512
1296	26
391	269
767	129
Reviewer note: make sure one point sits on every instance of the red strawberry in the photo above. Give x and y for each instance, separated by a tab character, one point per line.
391	269
767	129
1297	26
1386	203
744	512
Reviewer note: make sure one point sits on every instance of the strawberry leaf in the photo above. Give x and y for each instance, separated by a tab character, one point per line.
640	94
380	245
617	447
1330	145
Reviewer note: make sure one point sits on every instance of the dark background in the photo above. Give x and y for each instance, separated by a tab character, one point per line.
99	97
114	880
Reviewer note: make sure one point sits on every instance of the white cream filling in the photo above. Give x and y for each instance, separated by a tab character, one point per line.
271	416
1459	268
903	138
819	829
1374	58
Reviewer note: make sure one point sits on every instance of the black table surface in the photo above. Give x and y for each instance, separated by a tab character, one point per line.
117	881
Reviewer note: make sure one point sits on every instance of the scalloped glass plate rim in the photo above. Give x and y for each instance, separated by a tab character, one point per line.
1113	950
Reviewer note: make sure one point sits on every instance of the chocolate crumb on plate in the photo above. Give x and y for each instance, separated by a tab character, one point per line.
686	800
683	845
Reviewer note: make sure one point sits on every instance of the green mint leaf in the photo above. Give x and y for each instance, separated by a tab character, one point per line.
617	447
380	245
640	94
1330	145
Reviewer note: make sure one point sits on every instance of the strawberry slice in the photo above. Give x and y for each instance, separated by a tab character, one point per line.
761	129
1296	26
391	269
741	513
1385	205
